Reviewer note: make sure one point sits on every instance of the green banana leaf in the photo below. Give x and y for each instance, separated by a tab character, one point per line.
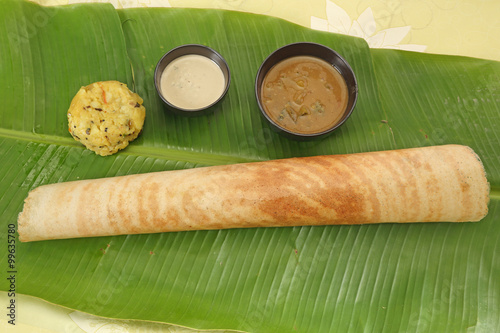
435	277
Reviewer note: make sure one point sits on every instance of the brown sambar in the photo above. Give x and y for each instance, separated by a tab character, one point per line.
304	94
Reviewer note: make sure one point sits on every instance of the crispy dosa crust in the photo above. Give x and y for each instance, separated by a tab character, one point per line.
431	184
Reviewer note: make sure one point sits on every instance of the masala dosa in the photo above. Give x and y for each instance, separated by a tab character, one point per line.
431	184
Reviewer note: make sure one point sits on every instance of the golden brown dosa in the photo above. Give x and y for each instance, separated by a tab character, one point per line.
441	183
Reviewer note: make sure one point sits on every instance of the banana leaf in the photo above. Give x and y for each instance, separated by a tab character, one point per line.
379	278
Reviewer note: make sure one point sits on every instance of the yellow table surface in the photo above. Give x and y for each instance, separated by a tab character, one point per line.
455	27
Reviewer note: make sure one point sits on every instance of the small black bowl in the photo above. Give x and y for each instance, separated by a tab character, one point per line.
187	50
318	51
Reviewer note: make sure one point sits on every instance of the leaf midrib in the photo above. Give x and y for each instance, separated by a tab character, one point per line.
495	193
165	153
195	157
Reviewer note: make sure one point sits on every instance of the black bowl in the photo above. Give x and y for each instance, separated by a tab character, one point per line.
318	51
186	50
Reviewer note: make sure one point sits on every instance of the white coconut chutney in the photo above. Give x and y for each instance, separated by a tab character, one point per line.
192	82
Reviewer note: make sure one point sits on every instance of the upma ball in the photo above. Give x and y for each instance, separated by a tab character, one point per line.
105	116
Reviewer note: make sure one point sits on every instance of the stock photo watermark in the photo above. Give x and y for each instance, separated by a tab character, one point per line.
11	273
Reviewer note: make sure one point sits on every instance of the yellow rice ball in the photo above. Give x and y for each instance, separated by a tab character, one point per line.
105	116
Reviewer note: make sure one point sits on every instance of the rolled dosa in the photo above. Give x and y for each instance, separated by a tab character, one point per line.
431	184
